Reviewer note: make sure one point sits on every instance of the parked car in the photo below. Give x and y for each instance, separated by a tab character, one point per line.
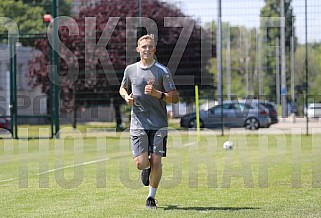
235	114
273	113
4	123
313	110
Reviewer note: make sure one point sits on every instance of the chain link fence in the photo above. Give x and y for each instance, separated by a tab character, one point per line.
264	54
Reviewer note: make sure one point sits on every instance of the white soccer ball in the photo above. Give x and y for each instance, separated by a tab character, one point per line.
228	145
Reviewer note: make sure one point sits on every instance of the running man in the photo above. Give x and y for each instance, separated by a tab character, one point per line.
147	86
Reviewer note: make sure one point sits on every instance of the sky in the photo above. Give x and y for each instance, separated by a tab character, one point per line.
247	12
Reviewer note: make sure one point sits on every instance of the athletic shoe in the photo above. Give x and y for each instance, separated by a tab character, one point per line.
145	176
150	203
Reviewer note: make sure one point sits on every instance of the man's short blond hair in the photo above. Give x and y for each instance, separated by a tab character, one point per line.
148	36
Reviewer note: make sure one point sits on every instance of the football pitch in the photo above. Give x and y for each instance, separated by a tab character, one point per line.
87	176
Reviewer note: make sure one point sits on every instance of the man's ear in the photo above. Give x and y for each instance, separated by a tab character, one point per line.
137	49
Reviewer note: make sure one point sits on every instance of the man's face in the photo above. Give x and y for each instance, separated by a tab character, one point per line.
146	49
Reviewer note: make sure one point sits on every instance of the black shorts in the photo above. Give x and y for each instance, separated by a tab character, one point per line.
151	141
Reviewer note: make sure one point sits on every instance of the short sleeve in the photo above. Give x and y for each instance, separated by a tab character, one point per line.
125	83
168	81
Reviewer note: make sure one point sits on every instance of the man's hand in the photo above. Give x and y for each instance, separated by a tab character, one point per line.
129	99
149	89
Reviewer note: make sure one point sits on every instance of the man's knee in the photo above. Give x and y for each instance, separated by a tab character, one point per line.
156	164
141	164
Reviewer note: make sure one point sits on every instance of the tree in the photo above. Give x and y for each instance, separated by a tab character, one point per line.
46	5
28	15
238	60
272	36
97	86
28	18
314	68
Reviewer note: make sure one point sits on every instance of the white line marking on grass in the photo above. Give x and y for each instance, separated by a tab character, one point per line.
190	144
8	180
72	166
61	168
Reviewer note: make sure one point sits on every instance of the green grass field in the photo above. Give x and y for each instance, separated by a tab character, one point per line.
76	176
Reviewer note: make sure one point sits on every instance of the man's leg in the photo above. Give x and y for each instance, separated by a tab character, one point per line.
156	172
159	142
142	161
154	179
139	145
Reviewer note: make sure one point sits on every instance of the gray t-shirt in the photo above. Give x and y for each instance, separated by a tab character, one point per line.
148	112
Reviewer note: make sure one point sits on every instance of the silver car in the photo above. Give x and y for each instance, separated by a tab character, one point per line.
270	106
235	114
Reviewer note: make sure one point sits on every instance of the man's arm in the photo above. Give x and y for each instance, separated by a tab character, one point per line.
171	97
168	97
124	94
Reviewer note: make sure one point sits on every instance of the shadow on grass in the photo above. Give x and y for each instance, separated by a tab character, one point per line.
176	207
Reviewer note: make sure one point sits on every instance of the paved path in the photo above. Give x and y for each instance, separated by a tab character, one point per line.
285	126
289	125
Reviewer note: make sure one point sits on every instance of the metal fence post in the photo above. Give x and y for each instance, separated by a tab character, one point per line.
55	7
13	86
